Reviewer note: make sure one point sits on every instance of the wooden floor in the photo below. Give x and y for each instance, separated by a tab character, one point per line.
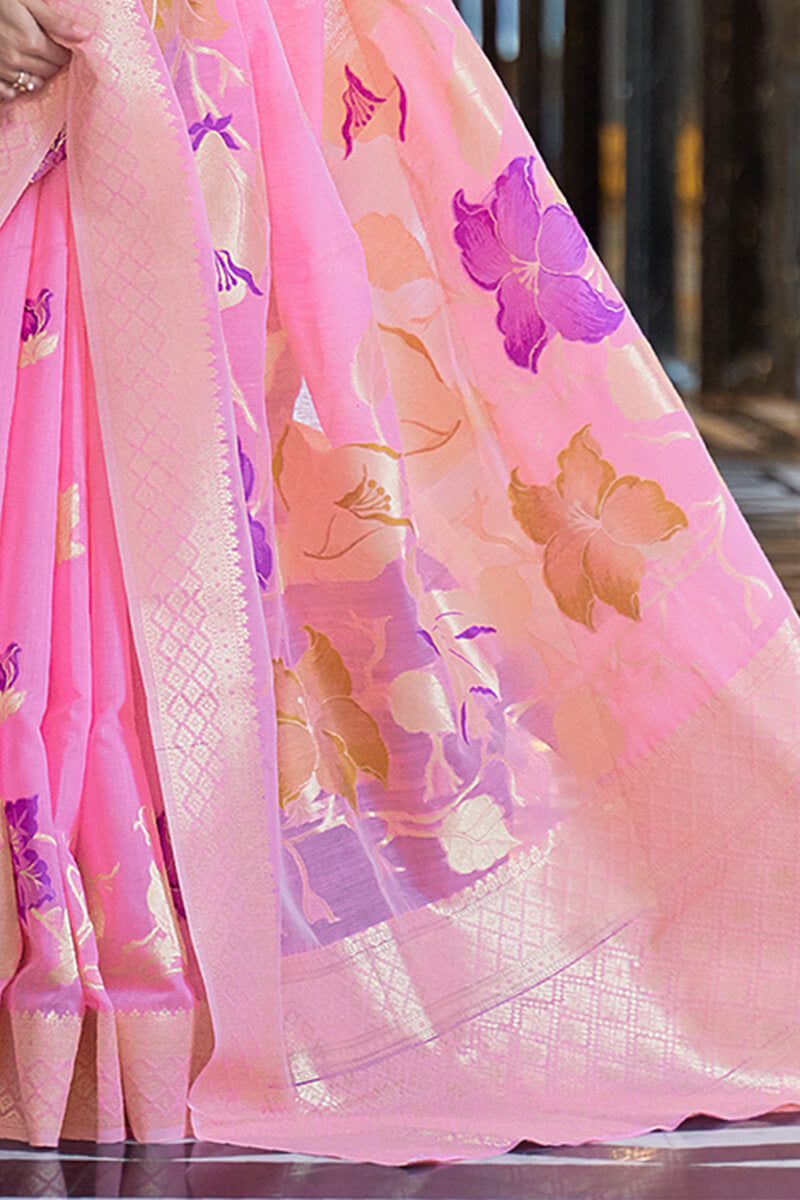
757	449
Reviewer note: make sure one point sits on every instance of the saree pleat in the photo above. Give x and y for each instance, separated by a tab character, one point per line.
398	723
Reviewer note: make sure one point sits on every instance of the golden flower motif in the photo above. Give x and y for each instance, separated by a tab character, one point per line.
345	505
68	520
595	527
322	732
192	18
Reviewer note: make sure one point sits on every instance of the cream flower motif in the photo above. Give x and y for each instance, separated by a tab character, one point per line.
474	836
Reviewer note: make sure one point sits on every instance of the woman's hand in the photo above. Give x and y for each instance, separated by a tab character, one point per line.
30	45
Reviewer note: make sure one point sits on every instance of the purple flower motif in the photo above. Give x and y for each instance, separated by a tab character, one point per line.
170	868
262	555
532	259
360	106
21	818
229	274
210	124
426	637
32	877
56	154
475	631
475	690
33	882
36	314
9	666
248	472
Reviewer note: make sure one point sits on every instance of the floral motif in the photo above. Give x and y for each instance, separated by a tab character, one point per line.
10	698
211	124
324	737
595	527
262	555
369	501
192	19
361	104
451	638
56	154
474	835
32	876
402	102
9	666
67	522
230	275
36	341
532	259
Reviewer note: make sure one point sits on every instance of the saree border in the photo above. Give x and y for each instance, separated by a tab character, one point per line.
164	402
583	888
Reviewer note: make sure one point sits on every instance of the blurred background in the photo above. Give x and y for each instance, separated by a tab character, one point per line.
673	128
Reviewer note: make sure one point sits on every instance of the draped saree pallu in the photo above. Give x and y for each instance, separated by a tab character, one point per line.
398	723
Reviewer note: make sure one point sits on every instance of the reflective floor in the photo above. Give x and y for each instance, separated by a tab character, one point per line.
703	1160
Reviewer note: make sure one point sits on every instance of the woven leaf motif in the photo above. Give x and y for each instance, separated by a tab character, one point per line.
474	836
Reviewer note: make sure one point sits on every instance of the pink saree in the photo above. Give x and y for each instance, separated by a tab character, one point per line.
399	744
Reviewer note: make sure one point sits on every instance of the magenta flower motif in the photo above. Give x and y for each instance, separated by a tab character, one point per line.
32	877
36	315
210	124
9	666
532	259
403	101
262	555
229	274
361	105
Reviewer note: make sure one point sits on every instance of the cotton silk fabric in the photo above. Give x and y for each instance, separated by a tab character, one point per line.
399	748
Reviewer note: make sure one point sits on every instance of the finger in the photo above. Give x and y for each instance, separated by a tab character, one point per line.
34	43
34	40
29	65
63	29
41	46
